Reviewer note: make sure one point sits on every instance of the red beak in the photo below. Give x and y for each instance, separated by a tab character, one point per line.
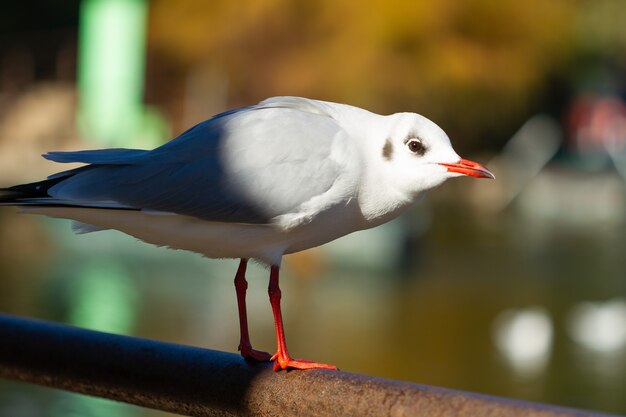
473	169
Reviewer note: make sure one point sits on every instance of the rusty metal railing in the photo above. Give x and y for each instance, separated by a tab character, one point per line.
200	382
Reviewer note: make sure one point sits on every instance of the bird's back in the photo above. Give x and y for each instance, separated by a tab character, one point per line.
282	165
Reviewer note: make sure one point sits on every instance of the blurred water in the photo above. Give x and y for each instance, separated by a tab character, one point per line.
452	303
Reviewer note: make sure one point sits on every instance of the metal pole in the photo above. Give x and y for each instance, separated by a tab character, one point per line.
201	382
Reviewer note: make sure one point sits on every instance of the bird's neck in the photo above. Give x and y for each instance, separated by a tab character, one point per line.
379	202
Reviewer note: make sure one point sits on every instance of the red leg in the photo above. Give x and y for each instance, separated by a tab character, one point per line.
241	285
281	359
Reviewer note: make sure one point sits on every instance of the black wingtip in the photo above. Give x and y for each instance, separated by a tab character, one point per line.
10	197
18	193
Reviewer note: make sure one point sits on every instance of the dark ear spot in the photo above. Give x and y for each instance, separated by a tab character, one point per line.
388	150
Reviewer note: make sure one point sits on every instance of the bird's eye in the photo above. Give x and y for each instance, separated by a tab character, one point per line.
416	146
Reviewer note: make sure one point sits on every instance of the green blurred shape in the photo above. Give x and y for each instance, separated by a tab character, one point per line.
76	405
111	113
111	63
103	297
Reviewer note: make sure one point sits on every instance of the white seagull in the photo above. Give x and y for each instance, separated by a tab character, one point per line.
257	182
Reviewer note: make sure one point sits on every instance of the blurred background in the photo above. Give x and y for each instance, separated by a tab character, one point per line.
514	287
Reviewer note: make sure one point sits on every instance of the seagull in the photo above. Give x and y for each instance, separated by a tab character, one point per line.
257	182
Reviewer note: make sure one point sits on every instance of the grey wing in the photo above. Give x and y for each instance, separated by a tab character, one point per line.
250	166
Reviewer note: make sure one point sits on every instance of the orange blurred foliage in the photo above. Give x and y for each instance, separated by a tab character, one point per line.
476	67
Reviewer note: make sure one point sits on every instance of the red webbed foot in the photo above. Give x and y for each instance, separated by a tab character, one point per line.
283	361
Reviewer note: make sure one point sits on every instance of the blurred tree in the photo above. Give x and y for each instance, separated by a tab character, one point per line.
476	67
19	17
37	42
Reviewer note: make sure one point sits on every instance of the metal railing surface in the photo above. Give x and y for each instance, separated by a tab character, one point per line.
200	382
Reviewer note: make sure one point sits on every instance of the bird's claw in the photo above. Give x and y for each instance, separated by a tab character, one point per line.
282	361
255	355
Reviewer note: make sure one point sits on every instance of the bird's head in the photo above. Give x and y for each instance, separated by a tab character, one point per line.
420	155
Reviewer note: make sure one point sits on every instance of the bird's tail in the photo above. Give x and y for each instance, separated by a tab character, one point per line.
36	193
35	196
